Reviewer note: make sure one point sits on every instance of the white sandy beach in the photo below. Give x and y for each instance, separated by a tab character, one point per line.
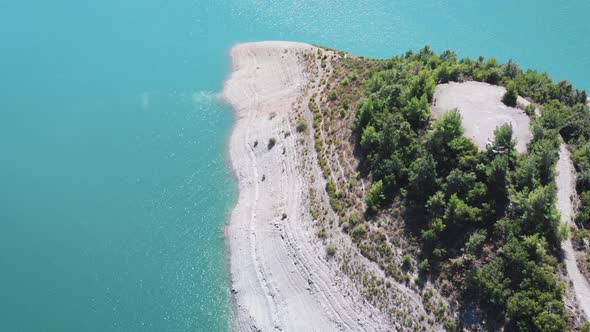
281	278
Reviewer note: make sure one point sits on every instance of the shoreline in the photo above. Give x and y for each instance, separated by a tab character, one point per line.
280	277
236	194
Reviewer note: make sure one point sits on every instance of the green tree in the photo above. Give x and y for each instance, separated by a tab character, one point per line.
370	138
511	94
459	182
477	195
476	241
539	214
459	213
492	76
422	85
463	152
424	266
577	124
375	197
422	180
417	111
527	173
364	113
498	181
444	73
511	69
583	215
546	155
436	205
504	141
490	283
554	115
441	140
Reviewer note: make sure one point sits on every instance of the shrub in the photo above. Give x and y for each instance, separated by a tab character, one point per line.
511	95
271	143
301	126
583	215
346	104
438	253
530	109
331	250
375	197
333	96
359	232
427	294
354	219
450	325
407	262
331	188
424	266
440	312
476	241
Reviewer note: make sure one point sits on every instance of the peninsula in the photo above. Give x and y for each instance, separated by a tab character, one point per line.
422	192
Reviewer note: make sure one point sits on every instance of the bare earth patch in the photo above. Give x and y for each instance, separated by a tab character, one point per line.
481	107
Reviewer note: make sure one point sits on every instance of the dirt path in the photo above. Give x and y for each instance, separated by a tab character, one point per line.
566	190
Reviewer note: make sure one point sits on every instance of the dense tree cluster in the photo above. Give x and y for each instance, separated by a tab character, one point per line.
461	200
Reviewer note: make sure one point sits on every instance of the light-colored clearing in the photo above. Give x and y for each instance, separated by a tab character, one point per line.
482	110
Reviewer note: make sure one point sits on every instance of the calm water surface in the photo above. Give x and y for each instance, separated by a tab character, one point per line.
114	185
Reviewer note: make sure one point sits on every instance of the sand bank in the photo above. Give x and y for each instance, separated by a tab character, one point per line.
281	278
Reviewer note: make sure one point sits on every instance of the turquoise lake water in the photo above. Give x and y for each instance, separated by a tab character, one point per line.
114	185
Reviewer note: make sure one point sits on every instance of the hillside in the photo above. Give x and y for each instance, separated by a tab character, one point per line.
449	202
